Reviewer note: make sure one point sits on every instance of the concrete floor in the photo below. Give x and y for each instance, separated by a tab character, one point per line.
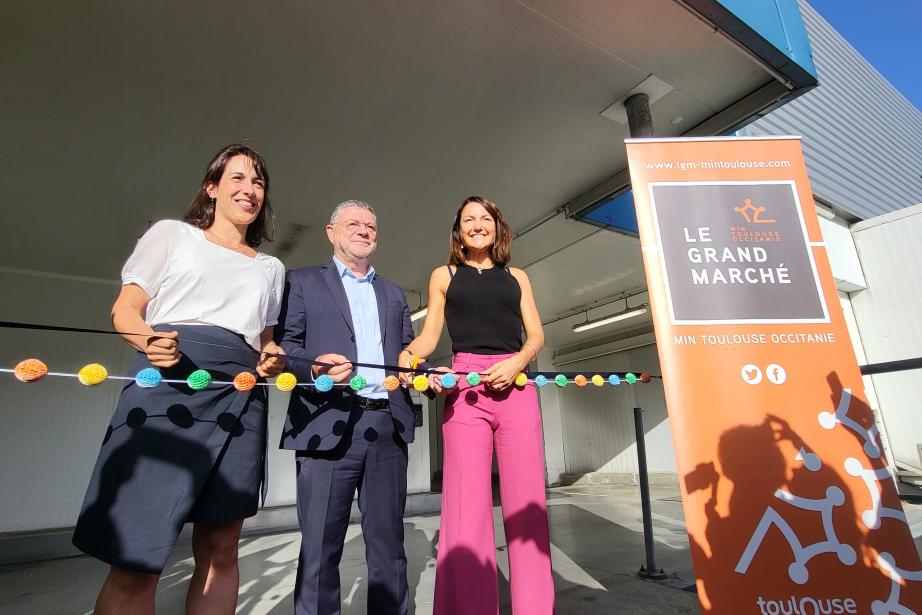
597	549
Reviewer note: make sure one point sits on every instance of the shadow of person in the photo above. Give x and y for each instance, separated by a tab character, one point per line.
420	561
478	590
267	571
529	525
353	574
741	450
794	516
816	479
859	419
885	541
716	556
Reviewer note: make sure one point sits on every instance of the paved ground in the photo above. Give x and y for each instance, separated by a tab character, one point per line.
597	549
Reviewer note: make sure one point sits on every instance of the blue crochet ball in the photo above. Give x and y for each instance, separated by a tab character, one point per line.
614	380
541	381
323	383
449	381
148	378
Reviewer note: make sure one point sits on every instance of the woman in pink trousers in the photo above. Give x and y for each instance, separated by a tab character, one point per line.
487	305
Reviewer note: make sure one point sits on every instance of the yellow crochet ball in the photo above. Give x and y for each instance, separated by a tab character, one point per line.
598	380
521	379
421	383
92	374
286	381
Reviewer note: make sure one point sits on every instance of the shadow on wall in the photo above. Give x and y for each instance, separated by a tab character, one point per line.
833	548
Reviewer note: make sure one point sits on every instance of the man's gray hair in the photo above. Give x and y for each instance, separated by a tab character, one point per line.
351	203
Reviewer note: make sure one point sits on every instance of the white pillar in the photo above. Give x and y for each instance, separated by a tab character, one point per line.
418	467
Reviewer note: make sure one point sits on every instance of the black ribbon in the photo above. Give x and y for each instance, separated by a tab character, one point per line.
390	368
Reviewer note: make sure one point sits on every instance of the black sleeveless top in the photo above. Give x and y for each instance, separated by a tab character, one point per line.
483	311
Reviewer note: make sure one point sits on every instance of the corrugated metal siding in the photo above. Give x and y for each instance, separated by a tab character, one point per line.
598	424
887	316
52	429
862	139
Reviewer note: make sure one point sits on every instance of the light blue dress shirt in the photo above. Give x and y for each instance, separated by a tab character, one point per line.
363	305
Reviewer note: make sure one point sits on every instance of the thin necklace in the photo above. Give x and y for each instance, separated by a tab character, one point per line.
479	269
217	241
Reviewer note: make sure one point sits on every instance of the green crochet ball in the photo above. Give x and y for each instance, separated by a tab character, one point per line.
473	379
198	380
630	378
358	383
561	380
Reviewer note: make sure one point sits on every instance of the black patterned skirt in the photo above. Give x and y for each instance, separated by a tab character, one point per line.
173	455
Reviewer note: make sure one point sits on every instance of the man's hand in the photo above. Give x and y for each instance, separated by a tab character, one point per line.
267	367
339	371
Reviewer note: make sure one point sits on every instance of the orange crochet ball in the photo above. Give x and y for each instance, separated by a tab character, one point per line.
244	381
580	380
30	370
391	383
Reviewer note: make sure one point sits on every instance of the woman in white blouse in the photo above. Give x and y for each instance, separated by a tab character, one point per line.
196	295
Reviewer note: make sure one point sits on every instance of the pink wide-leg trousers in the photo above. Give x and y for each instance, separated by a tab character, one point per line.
477	419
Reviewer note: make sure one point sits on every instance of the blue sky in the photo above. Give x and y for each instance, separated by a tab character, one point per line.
886	32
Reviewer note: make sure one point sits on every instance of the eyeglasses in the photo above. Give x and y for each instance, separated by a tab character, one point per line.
353	226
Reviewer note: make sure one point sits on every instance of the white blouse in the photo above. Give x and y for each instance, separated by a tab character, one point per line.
192	281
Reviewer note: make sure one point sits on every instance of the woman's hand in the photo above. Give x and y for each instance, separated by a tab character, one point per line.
405	359
501	375
435	380
339	371
162	349
269	366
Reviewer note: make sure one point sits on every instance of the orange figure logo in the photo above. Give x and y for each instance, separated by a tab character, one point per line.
756	212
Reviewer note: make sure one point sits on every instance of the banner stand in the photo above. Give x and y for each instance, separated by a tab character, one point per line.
790	504
650	570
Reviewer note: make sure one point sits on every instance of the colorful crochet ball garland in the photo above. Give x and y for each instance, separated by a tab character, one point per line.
33	370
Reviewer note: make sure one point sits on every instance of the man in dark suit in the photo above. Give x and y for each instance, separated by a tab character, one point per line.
346	440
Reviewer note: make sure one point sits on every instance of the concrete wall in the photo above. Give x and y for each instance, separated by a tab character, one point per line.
596	425
52	429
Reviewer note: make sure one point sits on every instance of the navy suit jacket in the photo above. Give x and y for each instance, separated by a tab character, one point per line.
315	320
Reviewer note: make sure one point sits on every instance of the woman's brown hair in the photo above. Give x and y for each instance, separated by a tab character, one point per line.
500	250
201	210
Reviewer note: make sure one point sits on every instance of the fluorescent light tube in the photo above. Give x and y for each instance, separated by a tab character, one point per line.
592	324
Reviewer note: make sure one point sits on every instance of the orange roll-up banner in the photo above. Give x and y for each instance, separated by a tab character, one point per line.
790	505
